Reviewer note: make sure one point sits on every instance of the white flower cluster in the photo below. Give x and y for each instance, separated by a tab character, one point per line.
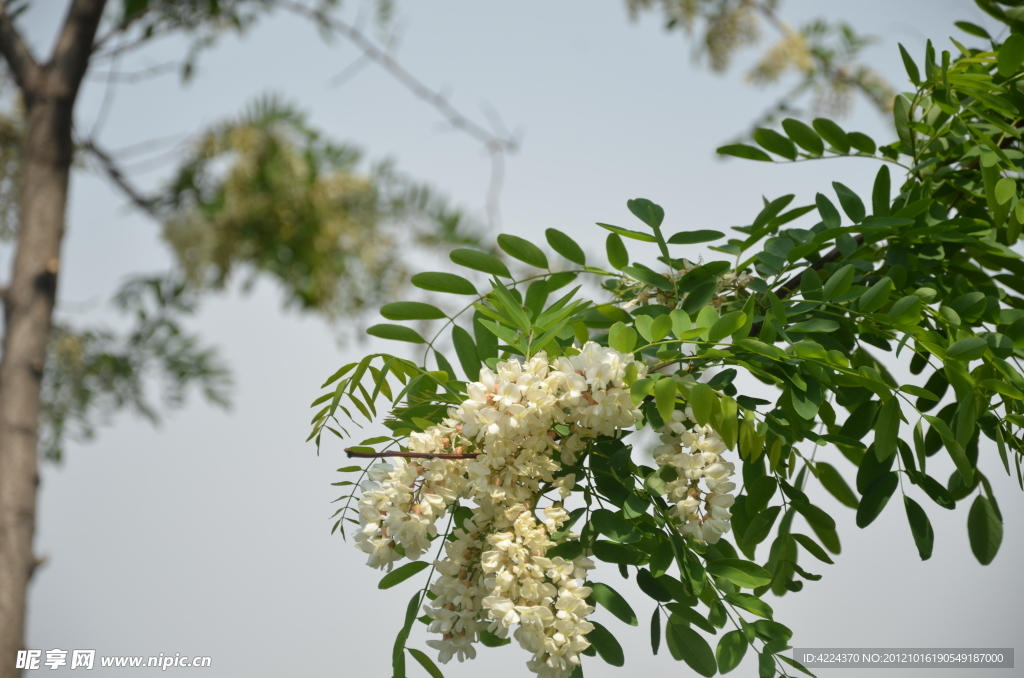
495	575
695	452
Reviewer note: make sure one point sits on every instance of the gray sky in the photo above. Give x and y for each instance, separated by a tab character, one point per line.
209	535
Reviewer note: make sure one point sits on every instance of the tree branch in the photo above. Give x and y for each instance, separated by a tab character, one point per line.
15	51
408	455
113	172
74	45
495	144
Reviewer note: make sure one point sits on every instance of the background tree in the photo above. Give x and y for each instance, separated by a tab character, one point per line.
290	205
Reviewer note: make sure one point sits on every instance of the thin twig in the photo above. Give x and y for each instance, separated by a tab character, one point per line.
497	145
113	172
135	76
408	455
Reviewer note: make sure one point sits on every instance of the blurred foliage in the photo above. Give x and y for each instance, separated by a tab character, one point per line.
268	193
91	374
822	55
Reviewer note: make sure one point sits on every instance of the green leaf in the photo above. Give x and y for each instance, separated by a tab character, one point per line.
772	141
908	62
426	662
901	117
411	310
615	249
565	246
967	349
523	250
443	282
812	547
744	151
465	349
920	527
751	604
984	530
876	296
646	211
726	326
665	397
488	639
740	572
828	211
396	333
681	323
851	202
839	282
887	429
956	451
731	649
1011	55
606	645
613	602
695	237
627	233
568	550
502	332
862	142
815	516
615	526
972	29
805	137
906	310
876	498
480	261
880	198
834	483
400	574
610	552
833	134
649	277
687	645
397	654
702	399
656	630
1006	188
622	338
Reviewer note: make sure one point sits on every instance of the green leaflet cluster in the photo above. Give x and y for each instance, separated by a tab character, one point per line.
810	302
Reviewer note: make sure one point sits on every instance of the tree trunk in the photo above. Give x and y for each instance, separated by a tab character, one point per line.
28	310
50	92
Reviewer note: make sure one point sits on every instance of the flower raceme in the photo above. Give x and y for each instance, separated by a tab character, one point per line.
495	575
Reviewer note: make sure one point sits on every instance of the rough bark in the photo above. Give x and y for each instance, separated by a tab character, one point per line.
49	91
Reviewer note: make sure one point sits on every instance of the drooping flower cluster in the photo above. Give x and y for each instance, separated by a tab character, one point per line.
495	575
695	453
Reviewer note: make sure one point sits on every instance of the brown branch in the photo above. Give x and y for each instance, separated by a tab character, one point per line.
15	51
495	144
788	287
113	172
71	53
408	455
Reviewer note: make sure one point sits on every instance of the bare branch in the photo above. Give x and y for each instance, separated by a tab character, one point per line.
408	455
74	45
496	144
15	51
113	172
136	76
